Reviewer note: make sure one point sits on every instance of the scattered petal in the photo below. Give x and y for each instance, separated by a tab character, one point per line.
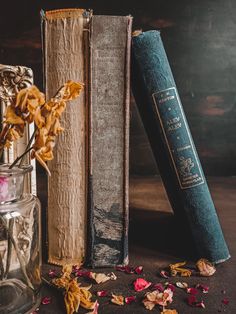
192	300
164	274
102	293
192	291
117	299
205	267
225	301
169	311
99	277
82	273
148	304
203	288
171	287
140	284
112	276
158	286
157	298
176	269
200	304
130	299
52	273
181	285
138	270
46	300
95	310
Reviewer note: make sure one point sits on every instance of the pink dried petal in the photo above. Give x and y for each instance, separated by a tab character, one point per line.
192	291
204	289
35	311
225	301
52	273
46	300
75	268
3	188
200	304
83	273
192	300
164	274
138	270
102	293
171	287
126	269
130	299
140	284
158	286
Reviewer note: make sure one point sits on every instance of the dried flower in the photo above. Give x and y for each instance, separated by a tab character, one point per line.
205	268
158	286
140	284
225	301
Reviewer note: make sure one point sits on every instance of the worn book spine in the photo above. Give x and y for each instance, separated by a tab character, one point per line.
162	113
12	80
64	59
109	140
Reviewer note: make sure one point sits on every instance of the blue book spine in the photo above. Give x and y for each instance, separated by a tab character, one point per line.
163	117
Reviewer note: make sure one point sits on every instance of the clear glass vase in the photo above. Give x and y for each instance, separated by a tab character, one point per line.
20	243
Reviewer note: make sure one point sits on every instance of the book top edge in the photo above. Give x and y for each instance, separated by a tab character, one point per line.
64	13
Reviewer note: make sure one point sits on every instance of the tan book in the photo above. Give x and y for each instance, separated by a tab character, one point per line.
88	189
13	79
64	59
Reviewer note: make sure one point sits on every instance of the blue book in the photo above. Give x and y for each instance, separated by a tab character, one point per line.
163	117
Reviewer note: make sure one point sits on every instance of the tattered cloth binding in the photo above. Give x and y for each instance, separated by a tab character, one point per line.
12	80
162	113
109	96
64	59
89	182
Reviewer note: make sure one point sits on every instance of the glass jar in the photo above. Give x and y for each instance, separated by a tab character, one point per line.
20	243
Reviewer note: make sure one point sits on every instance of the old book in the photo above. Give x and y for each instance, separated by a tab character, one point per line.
89	182
13	79
64	36
109	140
172	144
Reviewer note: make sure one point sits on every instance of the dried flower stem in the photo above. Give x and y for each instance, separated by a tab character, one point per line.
21	261
19	158
9	247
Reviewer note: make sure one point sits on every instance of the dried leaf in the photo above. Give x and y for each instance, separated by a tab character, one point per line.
138	270
205	268
148	304
140	284
117	299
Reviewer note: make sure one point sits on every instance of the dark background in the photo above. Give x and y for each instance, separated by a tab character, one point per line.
200	40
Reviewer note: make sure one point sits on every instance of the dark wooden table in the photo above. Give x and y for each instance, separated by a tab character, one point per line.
154	244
